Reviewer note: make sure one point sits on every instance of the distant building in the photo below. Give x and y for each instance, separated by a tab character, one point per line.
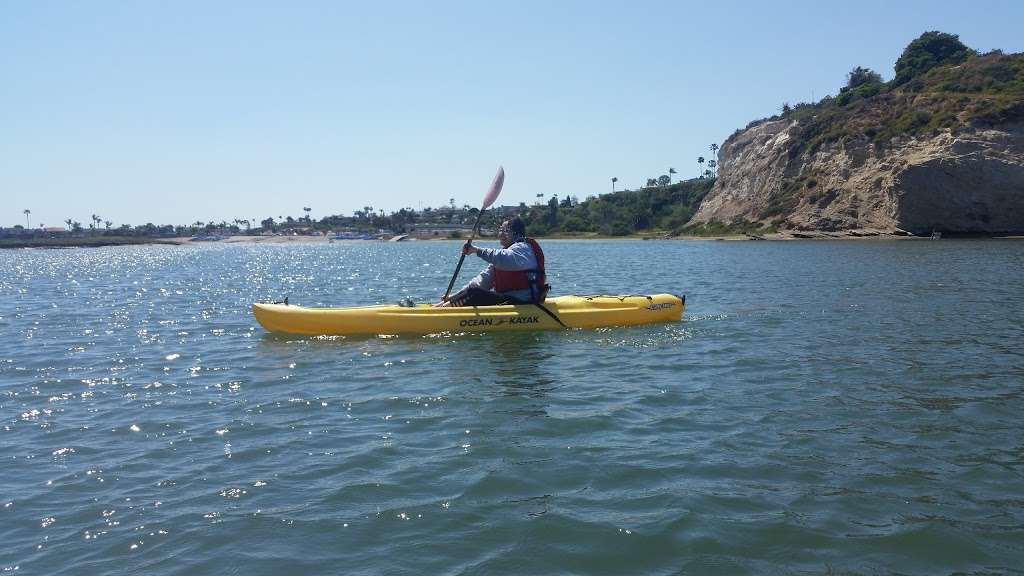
441	230
509	211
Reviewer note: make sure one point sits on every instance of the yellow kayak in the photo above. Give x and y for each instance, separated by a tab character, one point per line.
554	314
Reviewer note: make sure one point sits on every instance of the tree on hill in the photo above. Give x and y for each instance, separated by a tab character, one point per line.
929	50
552	212
860	83
860	75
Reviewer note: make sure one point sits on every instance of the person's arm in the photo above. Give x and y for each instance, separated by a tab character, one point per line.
518	256
484	280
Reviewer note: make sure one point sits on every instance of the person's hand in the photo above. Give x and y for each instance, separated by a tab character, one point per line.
468	248
443	302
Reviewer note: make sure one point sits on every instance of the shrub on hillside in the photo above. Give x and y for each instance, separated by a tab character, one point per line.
927	51
860	75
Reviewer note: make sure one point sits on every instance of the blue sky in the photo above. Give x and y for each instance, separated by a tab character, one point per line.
172	112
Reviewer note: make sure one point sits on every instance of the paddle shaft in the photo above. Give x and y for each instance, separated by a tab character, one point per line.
462	259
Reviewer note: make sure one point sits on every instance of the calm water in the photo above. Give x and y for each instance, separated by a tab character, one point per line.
824	408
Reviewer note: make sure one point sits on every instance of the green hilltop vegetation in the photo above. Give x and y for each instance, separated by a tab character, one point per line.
665	208
940	84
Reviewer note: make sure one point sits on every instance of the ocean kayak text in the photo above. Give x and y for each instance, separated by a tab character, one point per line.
499	321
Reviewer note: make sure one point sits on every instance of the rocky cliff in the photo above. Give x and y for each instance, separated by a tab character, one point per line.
929	155
971	182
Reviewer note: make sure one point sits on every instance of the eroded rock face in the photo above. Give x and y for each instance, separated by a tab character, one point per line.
971	182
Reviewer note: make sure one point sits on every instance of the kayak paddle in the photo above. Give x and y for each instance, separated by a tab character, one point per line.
492	195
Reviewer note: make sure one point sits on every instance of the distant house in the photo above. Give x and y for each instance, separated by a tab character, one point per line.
55	229
441	230
509	211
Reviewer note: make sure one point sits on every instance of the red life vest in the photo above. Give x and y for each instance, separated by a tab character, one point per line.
532	280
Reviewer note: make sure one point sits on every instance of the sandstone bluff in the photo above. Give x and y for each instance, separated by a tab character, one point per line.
939	150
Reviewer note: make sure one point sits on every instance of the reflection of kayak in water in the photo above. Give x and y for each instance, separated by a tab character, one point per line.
554	314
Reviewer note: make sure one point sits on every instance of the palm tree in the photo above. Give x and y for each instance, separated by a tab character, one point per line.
27	224
107	224
307	210
713	165
614	180
68	222
671	171
700	160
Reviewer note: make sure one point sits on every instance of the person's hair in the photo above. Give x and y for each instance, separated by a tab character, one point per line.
516	227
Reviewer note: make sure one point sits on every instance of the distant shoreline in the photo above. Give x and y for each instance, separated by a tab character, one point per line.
100	241
83	242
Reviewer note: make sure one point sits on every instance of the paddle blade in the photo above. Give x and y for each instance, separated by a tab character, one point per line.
492	194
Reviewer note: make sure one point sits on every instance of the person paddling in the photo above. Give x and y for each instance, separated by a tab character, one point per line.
514	274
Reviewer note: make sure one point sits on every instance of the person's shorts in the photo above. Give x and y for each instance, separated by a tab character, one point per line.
480	297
